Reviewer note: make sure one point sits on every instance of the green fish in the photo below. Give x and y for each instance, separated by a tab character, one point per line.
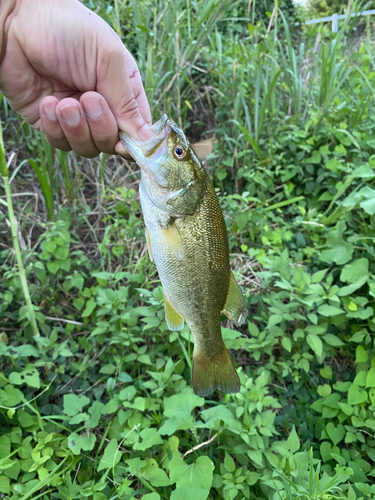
187	239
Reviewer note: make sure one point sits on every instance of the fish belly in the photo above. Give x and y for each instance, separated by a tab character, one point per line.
197	285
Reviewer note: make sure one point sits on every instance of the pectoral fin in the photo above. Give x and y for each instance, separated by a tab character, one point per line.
174	320
149	247
235	306
174	239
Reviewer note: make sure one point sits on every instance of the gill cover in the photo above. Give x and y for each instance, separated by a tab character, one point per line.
176	185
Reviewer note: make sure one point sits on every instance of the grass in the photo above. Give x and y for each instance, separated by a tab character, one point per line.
100	404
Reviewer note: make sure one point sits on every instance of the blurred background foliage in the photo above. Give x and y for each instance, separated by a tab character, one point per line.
100	404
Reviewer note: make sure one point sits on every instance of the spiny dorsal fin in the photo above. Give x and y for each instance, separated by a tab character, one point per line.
235	306
149	247
174	320
174	239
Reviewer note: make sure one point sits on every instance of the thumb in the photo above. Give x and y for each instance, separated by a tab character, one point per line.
120	83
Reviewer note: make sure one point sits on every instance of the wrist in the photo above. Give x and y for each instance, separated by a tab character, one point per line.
7	9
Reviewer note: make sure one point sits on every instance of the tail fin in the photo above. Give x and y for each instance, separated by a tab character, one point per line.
216	372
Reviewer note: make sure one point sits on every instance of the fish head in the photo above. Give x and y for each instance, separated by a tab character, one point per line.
171	172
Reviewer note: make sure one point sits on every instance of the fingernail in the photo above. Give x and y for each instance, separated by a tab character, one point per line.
49	111
145	133
93	107
71	114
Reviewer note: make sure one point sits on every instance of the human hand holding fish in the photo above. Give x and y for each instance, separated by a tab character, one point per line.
187	239
67	73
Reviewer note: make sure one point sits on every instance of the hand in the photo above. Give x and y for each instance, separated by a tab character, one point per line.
67	73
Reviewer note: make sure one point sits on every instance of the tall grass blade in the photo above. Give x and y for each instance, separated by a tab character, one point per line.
42	174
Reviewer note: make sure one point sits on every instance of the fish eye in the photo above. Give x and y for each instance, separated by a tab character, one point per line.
179	152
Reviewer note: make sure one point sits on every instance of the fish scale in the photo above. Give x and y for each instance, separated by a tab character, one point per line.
188	242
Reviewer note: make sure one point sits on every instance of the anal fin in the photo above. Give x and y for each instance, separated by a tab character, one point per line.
174	240
235	306
149	247
174	319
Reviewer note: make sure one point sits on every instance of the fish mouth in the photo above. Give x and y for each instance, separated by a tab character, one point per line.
151	150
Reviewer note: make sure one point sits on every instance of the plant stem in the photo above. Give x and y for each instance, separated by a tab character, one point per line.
13	224
17	250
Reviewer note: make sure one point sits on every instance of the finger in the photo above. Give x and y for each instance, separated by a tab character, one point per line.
73	122
139	91
101	121
50	125
118	81
122	151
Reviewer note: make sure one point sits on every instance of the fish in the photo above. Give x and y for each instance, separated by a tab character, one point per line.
187	239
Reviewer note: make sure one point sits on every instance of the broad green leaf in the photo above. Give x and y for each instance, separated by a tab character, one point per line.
186	493
286	343
4	447
338	250
145	358
5	485
336	434
27	421
79	418
316	157
325	451
196	475
151	496
319	276
95	411
27	350
128	393
217	414
346	408
326	372
229	463
360	378
10	396
293	441
370	379
356	395
150	438
368	206
256	456
73	404
324	390
355	271
333	340
349	289
89	309
177	409
361	355
108	369
241	220
152	473
29	376
364	171
328	311
85	442
315	343
111	456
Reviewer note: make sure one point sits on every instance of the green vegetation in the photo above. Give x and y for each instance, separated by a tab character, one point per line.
100	404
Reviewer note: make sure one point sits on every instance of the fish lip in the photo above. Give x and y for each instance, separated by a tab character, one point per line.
140	150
